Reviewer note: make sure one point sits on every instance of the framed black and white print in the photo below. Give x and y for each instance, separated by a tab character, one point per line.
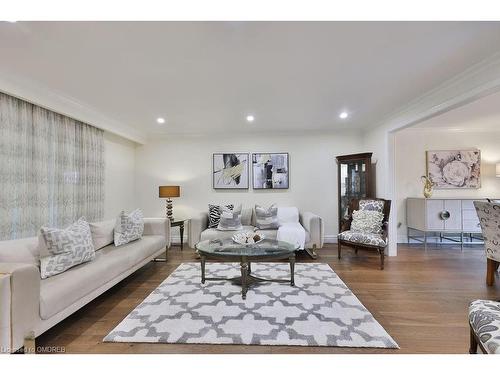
230	171
270	170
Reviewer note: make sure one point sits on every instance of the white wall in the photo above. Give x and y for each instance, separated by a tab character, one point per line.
119	179
411	145
187	161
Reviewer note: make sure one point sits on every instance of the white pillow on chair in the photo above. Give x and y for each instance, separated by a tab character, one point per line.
367	221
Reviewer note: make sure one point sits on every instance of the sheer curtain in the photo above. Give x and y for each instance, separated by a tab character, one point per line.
51	169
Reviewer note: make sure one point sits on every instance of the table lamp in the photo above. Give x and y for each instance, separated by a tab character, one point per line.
169	192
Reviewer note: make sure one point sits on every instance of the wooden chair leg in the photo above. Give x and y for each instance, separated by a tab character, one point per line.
473	343
339	246
491	266
382	258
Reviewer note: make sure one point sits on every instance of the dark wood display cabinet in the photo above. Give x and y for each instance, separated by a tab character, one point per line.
355	180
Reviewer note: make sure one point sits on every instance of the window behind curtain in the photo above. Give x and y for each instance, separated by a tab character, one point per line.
51	169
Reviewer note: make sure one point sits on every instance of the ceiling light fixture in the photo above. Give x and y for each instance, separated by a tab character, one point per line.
250	118
160	120
343	115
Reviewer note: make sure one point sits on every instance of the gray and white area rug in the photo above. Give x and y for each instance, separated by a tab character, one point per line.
319	310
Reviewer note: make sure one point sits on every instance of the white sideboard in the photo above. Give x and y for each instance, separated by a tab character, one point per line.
442	215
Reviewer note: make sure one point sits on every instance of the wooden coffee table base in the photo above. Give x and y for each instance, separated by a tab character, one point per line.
247	279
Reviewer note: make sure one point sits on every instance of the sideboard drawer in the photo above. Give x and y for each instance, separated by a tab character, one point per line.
471	227
454	208
434	209
470	221
468	204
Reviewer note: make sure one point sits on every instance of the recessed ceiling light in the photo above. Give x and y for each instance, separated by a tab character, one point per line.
160	120
343	115
250	118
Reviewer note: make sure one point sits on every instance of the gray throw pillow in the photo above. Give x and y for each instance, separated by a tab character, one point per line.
367	221
66	248
128	227
102	233
266	218
230	219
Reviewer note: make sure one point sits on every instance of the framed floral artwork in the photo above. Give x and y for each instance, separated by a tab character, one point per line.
455	169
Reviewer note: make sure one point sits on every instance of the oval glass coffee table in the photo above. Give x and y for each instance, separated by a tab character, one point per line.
229	251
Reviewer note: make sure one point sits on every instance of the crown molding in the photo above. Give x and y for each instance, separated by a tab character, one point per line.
475	82
50	99
452	129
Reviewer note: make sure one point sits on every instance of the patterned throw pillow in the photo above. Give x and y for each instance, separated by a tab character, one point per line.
214	212
230	219
266	218
66	248
367	221
371	205
128	227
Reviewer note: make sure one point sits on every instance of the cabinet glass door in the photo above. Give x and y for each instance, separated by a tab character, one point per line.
353	183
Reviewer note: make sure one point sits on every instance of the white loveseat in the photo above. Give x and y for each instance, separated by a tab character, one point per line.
312	223
30	306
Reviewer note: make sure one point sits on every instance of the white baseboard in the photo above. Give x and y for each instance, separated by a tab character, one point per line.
402	238
330	238
176	239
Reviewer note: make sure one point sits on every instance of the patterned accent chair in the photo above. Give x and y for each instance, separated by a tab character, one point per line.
369	239
484	322
489	219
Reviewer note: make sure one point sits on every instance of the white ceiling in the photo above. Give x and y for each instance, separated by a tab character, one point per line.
204	77
480	115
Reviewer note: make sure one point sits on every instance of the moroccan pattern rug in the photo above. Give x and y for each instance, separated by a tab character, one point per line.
318	311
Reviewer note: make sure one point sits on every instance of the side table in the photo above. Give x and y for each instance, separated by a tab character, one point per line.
179	223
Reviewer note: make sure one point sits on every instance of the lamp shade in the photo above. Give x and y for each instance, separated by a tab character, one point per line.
497	170
170	191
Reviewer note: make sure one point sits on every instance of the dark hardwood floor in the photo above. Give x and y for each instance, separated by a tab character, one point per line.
421	299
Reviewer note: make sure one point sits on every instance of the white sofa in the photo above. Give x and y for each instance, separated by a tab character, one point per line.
312	223
30	306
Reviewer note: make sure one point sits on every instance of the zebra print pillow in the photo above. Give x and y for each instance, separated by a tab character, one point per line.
214	212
